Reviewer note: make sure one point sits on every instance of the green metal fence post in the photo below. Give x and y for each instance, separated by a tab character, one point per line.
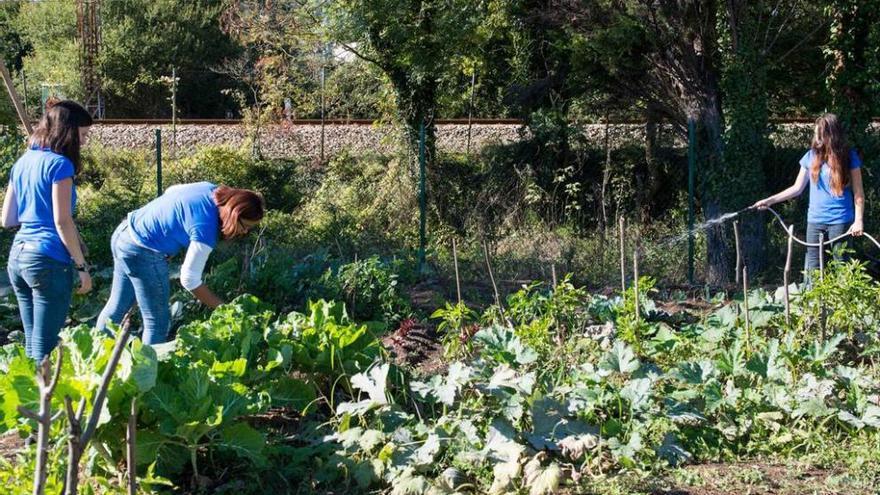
692	165
158	162
422	198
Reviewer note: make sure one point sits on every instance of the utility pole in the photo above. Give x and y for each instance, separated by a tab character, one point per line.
88	29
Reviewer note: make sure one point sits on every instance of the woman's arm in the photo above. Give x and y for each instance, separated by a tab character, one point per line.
858	226
10	209
61	199
191	274
793	191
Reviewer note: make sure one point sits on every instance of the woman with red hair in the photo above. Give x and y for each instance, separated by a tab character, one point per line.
188	216
837	198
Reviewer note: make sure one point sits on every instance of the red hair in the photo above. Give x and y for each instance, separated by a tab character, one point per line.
236	205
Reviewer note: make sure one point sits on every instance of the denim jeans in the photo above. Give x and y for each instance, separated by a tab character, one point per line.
139	274
829	231
43	287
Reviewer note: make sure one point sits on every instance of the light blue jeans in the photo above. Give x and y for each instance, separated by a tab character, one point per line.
43	287
139	275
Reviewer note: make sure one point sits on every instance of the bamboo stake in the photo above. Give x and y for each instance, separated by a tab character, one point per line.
455	262
131	443
622	255
738	250
47	381
785	275
745	281
636	282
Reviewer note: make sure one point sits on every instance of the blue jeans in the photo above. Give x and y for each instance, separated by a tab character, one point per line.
43	287
829	231
139	274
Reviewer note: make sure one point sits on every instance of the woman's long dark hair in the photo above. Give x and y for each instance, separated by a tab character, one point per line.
58	129
829	146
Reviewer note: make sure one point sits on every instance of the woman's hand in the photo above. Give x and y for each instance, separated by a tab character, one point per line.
763	204
85	283
857	228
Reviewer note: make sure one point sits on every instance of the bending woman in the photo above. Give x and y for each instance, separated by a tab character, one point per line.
41	198
837	199
188	216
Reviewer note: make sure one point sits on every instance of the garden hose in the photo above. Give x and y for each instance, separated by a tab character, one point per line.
814	244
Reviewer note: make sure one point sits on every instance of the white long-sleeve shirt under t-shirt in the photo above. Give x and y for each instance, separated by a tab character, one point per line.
194	264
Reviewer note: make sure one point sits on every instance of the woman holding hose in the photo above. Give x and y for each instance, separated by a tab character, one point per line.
187	216
837	199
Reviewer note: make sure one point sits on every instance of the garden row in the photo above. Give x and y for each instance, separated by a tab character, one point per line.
554	387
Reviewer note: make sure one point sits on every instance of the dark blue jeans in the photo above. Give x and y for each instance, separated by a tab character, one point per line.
43	287
139	274
829	231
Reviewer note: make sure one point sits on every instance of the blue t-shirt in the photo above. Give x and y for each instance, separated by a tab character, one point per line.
184	213
825	207
32	177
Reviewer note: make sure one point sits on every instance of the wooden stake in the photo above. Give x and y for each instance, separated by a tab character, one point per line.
553	273
745	280
738	250
131	443
46	380
491	275
636	281
622	255
822	279
13	95
785	276
455	262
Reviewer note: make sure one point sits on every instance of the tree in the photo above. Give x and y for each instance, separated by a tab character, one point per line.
413	42
143	39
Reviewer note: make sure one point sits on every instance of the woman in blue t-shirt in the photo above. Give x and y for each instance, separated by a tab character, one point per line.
41	198
187	216
837	199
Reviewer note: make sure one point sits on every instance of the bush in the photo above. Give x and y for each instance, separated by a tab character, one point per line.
282	182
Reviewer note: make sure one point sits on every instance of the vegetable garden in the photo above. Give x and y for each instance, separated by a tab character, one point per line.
554	389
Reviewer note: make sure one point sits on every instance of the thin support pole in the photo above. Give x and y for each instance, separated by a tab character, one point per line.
821	280
131	443
471	111
158	162
738	250
422	199
622	237
692	166
785	276
323	104
491	275
173	113
553	274
16	101
745	281
455	262
636	282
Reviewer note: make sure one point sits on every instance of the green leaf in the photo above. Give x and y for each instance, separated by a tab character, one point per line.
620	359
245	441
638	393
145	366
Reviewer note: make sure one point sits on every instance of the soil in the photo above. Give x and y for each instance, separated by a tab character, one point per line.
758	478
9	445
